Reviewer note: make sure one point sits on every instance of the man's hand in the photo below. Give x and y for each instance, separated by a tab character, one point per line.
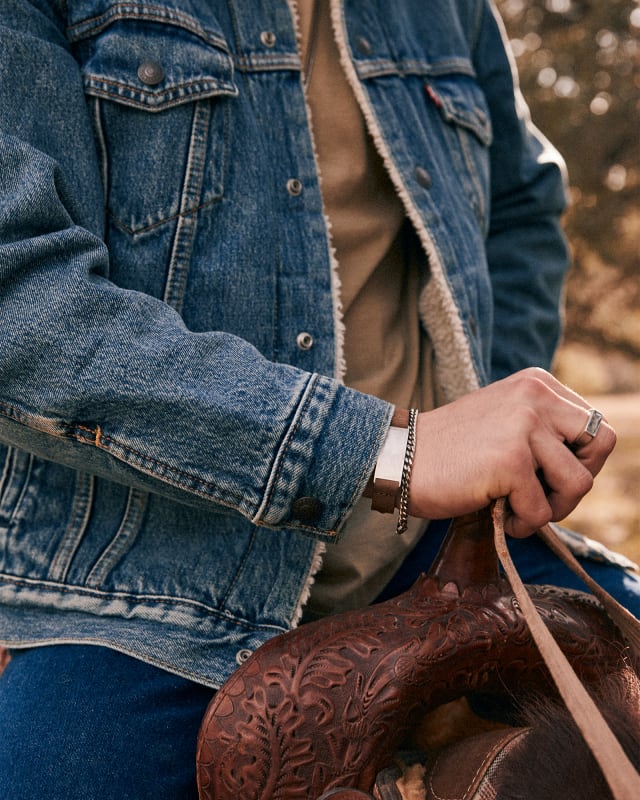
510	439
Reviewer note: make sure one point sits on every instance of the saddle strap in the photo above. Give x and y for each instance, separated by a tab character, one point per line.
618	771
628	625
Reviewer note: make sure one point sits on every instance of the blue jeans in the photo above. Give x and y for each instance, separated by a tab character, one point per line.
87	723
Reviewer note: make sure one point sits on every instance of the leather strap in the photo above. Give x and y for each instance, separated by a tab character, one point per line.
628	624
385	494
618	771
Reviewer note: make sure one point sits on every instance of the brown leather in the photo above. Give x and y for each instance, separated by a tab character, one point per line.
303	718
617	768
457	771
385	494
400	418
327	705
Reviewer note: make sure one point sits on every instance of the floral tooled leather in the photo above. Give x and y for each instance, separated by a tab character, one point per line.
328	704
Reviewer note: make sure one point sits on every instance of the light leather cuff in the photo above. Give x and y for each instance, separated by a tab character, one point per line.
385	493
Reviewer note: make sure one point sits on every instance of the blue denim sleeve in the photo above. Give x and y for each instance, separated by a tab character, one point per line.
526	248
110	380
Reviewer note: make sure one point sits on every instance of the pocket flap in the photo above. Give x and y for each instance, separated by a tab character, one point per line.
154	65
462	103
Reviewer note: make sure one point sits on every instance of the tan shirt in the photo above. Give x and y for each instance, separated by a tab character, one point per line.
381	270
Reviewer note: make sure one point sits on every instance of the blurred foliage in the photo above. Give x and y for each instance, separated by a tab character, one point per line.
579	66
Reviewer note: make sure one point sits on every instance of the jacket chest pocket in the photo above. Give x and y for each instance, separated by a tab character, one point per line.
159	89
468	135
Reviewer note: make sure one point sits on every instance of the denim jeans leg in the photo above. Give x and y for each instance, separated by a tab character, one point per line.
87	723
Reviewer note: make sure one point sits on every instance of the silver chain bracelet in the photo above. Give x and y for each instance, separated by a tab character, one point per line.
403	504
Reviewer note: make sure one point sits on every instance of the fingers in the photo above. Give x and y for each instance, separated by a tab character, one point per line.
536	374
564	472
568	416
512	438
590	429
549	493
592	449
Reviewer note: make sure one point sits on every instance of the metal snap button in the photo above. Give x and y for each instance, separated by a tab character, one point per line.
294	186
151	72
242	656
306	509
304	340
423	177
363	45
268	38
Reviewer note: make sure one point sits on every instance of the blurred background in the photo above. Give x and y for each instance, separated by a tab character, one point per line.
579	66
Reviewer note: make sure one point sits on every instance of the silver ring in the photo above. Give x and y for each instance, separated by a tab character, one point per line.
590	430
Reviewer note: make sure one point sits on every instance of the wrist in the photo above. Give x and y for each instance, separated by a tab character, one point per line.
388	487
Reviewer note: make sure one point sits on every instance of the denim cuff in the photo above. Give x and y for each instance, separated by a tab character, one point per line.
325	459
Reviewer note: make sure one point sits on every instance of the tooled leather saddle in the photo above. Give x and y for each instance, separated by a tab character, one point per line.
321	711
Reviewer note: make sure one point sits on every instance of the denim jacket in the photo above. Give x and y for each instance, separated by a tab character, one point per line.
176	442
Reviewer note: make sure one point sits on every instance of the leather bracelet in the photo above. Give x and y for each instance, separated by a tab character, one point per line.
385	494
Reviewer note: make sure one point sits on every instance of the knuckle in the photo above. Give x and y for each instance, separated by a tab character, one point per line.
525	420
578	482
532	384
530	416
540	515
531	373
583	483
534	519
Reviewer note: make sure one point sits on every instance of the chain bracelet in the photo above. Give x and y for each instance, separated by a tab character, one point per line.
403	504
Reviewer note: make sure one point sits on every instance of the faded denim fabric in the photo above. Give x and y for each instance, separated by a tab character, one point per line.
162	246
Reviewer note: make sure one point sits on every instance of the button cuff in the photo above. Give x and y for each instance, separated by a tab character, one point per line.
307	509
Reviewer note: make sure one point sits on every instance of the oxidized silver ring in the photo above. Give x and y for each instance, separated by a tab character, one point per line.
591	428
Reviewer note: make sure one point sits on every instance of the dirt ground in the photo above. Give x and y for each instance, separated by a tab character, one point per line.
610	513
